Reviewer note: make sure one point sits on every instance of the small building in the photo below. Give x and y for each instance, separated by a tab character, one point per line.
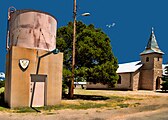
2	76
33	74
140	75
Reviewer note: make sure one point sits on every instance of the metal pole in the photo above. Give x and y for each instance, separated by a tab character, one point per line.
73	51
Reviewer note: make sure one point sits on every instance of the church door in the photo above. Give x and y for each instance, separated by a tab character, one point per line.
157	83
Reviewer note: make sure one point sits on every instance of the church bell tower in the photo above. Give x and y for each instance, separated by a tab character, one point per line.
151	70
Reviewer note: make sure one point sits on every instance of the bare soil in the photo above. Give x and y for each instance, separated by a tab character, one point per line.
153	106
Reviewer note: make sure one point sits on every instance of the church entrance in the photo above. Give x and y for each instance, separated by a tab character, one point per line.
158	83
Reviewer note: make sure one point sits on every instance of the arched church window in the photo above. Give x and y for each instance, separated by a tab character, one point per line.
119	80
158	58
147	59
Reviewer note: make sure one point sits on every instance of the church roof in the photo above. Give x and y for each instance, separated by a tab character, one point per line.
152	46
134	66
129	67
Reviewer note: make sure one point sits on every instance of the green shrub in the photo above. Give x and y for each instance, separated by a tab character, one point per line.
2	83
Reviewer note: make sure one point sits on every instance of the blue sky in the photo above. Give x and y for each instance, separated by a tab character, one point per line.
129	35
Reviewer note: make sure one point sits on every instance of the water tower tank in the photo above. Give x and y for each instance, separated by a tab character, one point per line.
32	29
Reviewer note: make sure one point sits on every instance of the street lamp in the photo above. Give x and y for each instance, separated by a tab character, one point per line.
71	90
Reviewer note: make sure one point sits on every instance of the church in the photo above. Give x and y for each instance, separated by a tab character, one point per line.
140	75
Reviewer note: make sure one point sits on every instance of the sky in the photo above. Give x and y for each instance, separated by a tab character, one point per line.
128	23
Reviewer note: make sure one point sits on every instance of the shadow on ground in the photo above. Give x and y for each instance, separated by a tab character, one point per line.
162	91
86	97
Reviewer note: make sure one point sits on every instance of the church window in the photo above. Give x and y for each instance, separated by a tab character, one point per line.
158	58
147	59
119	80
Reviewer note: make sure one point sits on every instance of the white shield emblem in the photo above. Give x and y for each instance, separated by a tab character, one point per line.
24	63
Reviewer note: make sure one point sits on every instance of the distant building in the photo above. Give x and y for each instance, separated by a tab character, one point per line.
144	74
2	76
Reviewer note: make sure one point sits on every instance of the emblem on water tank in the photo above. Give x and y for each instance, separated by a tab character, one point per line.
24	63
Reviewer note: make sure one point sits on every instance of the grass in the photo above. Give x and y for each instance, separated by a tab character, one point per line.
87	100
83	99
121	105
86	105
23	110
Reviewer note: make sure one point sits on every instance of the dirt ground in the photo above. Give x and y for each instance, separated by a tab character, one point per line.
151	108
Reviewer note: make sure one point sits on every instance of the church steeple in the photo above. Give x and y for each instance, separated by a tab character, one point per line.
152	46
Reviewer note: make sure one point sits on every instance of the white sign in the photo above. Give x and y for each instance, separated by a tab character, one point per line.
24	63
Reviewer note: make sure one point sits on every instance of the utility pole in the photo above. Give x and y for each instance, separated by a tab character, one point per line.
71	91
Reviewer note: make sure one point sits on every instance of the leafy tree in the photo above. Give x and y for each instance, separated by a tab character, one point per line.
2	83
165	80
94	61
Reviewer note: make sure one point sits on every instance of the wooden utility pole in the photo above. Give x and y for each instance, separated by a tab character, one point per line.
71	91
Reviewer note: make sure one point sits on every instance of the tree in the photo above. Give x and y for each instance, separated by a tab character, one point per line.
2	83
94	60
165	80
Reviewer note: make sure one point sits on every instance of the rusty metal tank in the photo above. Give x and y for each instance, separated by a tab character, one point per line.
32	29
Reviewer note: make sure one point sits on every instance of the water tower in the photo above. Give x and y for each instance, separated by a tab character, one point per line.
31	81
